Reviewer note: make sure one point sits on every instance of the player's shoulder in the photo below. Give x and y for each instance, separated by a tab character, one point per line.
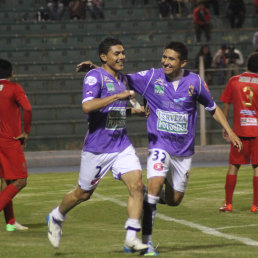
92	77
14	86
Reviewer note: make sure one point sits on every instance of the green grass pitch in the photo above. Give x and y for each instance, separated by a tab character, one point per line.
96	228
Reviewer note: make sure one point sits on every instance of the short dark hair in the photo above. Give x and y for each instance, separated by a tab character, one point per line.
252	62
105	45
178	47
5	69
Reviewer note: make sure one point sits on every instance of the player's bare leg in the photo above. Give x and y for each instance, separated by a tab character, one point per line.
57	216
133	181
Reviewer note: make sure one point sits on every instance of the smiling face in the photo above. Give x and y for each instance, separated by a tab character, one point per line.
171	63
114	59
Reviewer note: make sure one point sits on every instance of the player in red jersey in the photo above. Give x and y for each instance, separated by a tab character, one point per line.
13	168
242	92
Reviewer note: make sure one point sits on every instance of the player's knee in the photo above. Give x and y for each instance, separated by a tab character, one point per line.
136	188
175	200
172	202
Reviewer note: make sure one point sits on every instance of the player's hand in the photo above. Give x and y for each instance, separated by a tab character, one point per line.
235	141
225	135
85	66
23	138
127	94
138	111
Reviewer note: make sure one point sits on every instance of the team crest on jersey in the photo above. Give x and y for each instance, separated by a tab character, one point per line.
91	80
158	89
191	90
107	79
110	87
158	166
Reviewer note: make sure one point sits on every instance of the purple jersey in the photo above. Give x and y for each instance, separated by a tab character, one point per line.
107	126
172	121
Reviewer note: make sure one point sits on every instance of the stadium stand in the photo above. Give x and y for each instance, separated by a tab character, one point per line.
45	55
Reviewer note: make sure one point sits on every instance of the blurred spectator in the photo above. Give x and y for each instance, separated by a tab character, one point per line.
77	9
55	9
256	6
207	61
214	4
42	14
144	2
236	13
255	41
202	18
96	8
164	8
175	8
234	59
220	61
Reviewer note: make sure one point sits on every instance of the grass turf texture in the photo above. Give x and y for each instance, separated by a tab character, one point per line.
95	228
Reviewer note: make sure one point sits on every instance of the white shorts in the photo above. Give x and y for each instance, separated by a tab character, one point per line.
175	169
94	166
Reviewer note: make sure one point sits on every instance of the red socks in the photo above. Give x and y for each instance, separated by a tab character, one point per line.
255	191
8	213
229	187
7	195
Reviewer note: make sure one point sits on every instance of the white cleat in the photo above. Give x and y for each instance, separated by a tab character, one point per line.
20	226
134	245
54	231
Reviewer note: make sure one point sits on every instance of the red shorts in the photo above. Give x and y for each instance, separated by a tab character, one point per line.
12	160
249	153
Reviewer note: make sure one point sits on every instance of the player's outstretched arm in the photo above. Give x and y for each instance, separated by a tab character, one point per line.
220	118
98	103
85	66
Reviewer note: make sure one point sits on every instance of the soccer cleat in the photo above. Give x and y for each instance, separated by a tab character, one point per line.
226	208
54	231
254	208
134	245
20	226
151	251
10	227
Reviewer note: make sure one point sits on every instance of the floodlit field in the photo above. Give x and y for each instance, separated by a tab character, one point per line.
95	228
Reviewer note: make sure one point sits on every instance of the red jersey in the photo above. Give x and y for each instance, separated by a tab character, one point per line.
242	92
12	97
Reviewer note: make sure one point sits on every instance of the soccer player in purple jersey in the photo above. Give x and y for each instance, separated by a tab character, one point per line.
107	146
172	94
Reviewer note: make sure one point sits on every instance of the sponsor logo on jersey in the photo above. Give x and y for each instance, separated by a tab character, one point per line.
90	80
142	73
110	87
158	89
89	92
1	87
172	122
191	90
247	112
248	121
180	99
254	80
244	79
116	119
158	166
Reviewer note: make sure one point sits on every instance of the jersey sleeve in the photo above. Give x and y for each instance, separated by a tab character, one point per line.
226	96
205	97
92	85
23	102
140	81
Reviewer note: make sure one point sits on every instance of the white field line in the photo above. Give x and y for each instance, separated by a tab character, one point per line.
240	226
204	229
